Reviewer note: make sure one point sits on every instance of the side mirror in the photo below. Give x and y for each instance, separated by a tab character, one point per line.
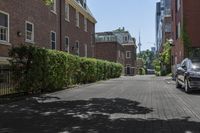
184	67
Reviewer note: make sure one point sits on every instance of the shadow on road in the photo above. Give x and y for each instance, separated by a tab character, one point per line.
85	116
192	92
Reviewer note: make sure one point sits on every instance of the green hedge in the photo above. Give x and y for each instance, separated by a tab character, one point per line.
41	70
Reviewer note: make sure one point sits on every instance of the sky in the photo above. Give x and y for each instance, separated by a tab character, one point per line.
137	16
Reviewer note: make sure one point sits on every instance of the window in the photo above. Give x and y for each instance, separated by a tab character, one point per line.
84	4
128	54
77	48
85	24
67	11
53	40
29	32
4	27
168	27
183	63
119	54
108	38
53	6
126	39
176	32
66	44
86	50
179	30
128	65
178	5
77	18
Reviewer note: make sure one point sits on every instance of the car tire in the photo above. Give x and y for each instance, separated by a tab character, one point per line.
178	85
187	88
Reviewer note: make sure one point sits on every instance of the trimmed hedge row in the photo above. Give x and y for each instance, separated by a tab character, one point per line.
40	70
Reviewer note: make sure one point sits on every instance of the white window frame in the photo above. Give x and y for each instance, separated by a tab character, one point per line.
85	24
128	53
52	40
33	32
8	30
86	50
77	48
53	9
178	5
67	11
179	29
77	19
67	48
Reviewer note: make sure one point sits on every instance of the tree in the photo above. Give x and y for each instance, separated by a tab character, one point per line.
148	57
48	2
165	58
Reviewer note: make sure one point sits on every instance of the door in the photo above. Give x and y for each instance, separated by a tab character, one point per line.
128	69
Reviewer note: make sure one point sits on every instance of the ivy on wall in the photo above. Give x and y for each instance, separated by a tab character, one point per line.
189	50
186	40
165	58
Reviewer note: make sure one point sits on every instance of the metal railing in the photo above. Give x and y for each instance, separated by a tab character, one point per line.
6	84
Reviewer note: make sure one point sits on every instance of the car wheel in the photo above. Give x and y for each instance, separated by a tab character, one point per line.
187	88
177	84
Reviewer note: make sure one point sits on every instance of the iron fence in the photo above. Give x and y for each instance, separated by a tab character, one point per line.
6	84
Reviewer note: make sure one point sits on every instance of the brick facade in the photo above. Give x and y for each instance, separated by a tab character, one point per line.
44	21
130	63
110	51
188	16
117	46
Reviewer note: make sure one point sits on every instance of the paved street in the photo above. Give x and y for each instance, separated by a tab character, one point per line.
141	104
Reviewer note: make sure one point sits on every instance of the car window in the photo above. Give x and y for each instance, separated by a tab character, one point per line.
183	64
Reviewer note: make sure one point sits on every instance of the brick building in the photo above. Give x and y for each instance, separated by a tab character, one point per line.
117	46
130	58
66	25
185	21
163	23
108	48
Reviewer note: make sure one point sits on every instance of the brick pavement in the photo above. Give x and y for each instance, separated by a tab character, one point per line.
141	104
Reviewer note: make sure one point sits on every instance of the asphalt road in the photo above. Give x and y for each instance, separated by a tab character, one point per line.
141	104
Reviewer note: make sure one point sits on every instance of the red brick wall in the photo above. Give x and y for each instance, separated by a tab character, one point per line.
106	51
45	21
189	16
132	60
110	51
191	13
178	48
37	13
77	33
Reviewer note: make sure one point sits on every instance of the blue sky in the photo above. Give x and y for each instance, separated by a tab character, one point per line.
135	15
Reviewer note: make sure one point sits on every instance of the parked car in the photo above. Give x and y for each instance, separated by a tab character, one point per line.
150	71
188	74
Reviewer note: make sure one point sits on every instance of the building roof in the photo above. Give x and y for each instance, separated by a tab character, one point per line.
85	11
104	33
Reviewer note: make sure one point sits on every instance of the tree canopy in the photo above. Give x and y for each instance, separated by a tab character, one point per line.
148	56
